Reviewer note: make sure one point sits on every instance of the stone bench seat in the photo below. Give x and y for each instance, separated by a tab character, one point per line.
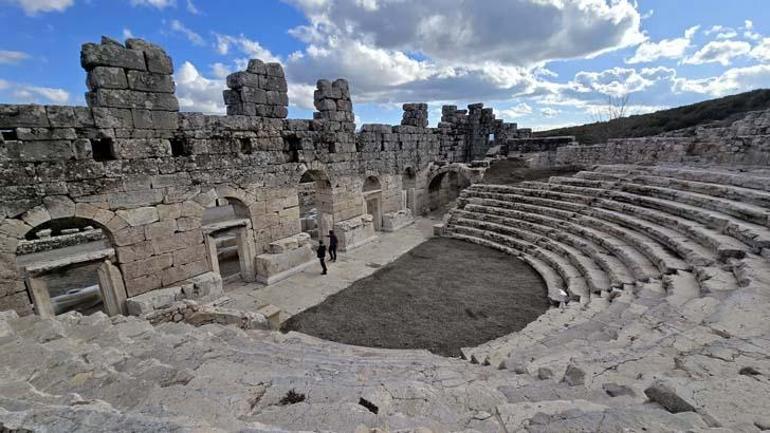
736	193
636	262
756	180
574	280
595	277
666	261
744	211
615	269
703	225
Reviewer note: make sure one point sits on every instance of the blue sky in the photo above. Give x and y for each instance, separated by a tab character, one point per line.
541	63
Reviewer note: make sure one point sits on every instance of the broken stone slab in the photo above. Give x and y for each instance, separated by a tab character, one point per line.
112	55
154	300
157	60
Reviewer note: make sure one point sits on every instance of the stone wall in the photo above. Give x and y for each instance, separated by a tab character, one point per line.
746	142
467	135
133	166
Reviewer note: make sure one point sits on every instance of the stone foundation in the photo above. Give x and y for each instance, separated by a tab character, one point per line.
286	258
354	232
393	221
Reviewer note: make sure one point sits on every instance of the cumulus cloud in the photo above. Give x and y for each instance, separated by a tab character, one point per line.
12	57
33	7
191	8
159	4
721	52
459	31
521	109
23	93
761	52
191	36
549	112
251	48
198	93
618	81
664	49
731	81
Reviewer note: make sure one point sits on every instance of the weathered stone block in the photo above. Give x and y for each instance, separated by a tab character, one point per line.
239	80
149	266
93	55
160	229
135	252
141	285
146	119
153	300
14	116
139	216
157	59
113	118
103	77
150	82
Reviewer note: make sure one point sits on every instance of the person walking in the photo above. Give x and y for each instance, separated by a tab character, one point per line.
321	254
332	246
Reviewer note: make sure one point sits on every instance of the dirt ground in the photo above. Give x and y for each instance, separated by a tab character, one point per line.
442	295
512	171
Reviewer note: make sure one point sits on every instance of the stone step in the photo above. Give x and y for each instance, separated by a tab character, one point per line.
628	204
758	181
616	271
581	279
639	265
664	190
662	257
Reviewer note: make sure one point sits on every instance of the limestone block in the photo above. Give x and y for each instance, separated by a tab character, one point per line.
150	82
42	134
157	59
36	216
131	99
393	221
14	116
147	119
160	229
354	232
241	79
93	55
151	301
43	150
103	77
207	285
112	118
139	216
177	241
272	268
59	206
149	266
135	252
62	116
141	285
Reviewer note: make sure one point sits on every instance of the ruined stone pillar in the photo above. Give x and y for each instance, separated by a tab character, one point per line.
415	115
113	289
38	288
260	90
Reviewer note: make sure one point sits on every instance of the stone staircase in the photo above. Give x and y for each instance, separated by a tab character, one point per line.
655	269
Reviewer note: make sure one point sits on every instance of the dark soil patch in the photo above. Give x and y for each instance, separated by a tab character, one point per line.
442	295
512	171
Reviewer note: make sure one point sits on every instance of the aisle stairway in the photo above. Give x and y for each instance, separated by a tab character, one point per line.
661	284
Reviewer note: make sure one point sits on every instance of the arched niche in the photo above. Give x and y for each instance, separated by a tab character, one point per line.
316	203
372	192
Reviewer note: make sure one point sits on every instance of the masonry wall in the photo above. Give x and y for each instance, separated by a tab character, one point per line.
744	143
144	173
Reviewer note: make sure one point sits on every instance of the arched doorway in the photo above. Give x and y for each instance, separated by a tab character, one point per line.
315	204
67	265
227	230
409	190
444	188
372	191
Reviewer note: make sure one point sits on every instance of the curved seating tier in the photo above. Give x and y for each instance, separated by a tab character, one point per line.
685	258
660	278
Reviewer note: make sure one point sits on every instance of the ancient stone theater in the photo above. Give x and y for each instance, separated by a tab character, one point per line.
150	260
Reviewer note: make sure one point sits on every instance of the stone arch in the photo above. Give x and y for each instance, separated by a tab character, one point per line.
316	202
373	200
445	185
25	275
227	224
409	189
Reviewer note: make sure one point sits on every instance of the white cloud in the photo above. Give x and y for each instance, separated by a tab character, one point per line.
664	49
461	32
32	7
191	8
549	112
12	57
748	31
198	93
4	84
731	81
522	109
249	47
127	33
22	93
721	52
619	81
301	95
761	52
193	37
159	4
220	70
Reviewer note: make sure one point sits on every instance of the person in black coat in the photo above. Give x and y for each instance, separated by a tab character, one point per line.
332	246
321	254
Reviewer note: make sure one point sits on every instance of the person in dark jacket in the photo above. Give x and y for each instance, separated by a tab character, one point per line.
332	246
321	254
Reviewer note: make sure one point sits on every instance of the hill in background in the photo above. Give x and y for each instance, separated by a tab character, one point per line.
720	111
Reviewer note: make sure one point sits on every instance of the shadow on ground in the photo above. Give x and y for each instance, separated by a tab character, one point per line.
442	295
